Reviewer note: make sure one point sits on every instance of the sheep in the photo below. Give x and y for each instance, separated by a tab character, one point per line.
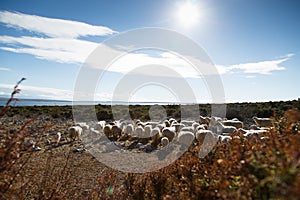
225	129
254	127
187	123
214	120
169	132
202	127
140	123
247	133
83	125
101	124
185	138
148	129
204	120
195	126
224	138
200	134
164	141
115	132
75	132
121	124
236	123
187	128
152	124
128	129
263	122
139	132
107	130
167	123
178	127
172	120
156	134
160	126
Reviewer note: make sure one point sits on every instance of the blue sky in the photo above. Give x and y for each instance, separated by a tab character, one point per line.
254	44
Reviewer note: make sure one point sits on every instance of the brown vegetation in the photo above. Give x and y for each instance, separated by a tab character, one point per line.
245	168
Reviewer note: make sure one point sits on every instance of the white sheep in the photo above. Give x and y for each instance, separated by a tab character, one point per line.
75	132
195	126
224	138
156	134
214	120
121	124
236	123
247	133
83	125
172	120
80	124
164	141
187	122
202	127
263	122
204	120
160	126
152	124
169	132
128	129
139	132
148	129
107	130
178	127
101	124
200	134
254	127
225	129
186	138
167	123
115	131
187	128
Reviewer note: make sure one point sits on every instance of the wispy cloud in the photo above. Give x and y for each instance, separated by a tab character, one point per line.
261	67
62	50
4	69
52	27
61	43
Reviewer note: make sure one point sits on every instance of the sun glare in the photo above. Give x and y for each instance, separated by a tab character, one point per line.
188	14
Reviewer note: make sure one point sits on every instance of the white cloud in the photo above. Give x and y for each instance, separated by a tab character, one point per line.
261	67
52	49
4	69
52	27
63	47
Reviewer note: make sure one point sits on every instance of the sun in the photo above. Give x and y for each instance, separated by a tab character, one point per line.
188	14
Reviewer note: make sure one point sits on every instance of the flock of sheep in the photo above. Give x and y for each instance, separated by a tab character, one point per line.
154	135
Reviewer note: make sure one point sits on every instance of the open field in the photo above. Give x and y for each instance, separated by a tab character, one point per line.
243	168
